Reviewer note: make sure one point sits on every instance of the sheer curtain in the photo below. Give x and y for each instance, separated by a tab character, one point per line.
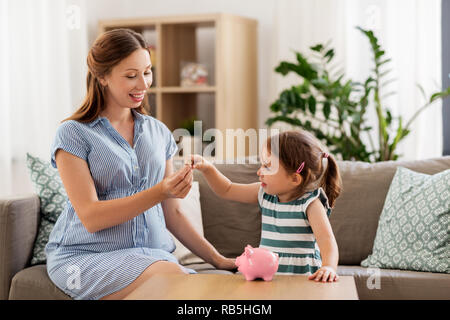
42	54
408	30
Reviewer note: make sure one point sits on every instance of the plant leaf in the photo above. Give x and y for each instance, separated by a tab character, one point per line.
385	83
312	104
378	54
291	121
385	73
317	47
275	107
285	67
301	105
388	94
319	83
441	94
422	90
329	54
384	61
326	109
388	118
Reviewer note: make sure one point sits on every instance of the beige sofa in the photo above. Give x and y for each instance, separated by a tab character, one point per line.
229	226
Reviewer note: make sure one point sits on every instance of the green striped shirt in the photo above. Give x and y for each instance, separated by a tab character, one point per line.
286	231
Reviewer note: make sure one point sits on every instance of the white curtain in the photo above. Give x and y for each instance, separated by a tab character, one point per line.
408	30
42	46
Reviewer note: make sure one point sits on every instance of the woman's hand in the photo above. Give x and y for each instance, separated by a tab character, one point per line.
200	163
178	184
326	274
223	263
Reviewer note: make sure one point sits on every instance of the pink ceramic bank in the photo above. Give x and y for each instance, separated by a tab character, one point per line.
257	263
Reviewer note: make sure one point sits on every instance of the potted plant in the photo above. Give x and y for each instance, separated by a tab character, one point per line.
334	109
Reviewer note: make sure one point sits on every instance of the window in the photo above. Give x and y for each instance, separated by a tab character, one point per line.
446	74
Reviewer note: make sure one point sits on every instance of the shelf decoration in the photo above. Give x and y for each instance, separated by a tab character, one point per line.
193	74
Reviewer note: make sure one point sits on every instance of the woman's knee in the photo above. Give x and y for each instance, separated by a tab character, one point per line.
163	267
158	267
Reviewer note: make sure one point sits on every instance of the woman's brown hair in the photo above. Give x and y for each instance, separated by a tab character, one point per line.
293	148
108	50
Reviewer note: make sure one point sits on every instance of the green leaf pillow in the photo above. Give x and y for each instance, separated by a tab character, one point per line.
52	195
413	230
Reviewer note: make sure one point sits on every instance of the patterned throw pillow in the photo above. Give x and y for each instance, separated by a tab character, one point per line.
413	228
52	195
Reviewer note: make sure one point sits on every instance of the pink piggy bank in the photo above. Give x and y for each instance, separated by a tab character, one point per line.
257	263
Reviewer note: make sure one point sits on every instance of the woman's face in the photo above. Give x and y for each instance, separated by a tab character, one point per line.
127	83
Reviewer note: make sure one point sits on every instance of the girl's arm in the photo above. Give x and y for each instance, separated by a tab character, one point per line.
97	215
222	186
180	226
323	232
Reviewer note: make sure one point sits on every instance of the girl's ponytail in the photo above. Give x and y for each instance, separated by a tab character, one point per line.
331	180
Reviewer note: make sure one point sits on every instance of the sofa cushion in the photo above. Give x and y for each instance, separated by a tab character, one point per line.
413	227
33	283
192	209
355	217
206	268
388	284
19	220
228	225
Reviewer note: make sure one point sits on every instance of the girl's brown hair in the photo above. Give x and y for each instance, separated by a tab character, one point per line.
107	51
293	148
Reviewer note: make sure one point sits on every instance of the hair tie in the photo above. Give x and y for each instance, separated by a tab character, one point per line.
300	168
325	155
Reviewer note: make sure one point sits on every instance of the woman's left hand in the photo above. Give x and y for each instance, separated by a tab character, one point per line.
325	274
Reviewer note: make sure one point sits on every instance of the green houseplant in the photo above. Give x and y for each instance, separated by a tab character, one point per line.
334	109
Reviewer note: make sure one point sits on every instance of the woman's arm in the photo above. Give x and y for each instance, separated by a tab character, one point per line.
181	227
222	186
98	215
323	233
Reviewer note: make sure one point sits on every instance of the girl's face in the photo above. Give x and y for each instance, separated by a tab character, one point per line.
274	178
127	83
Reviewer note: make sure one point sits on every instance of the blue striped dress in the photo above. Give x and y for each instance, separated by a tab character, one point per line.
286	231
92	265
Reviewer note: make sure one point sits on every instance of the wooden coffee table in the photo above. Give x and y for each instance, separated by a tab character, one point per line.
235	287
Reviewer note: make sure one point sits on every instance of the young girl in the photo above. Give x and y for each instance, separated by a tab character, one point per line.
296	192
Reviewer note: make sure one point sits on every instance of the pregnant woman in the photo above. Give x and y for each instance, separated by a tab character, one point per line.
115	162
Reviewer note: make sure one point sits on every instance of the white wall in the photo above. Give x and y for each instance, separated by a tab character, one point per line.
43	70
261	10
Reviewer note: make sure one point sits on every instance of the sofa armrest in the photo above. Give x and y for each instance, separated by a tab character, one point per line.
19	221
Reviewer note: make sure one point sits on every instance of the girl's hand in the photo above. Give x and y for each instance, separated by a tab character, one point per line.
326	274
178	184
200	163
